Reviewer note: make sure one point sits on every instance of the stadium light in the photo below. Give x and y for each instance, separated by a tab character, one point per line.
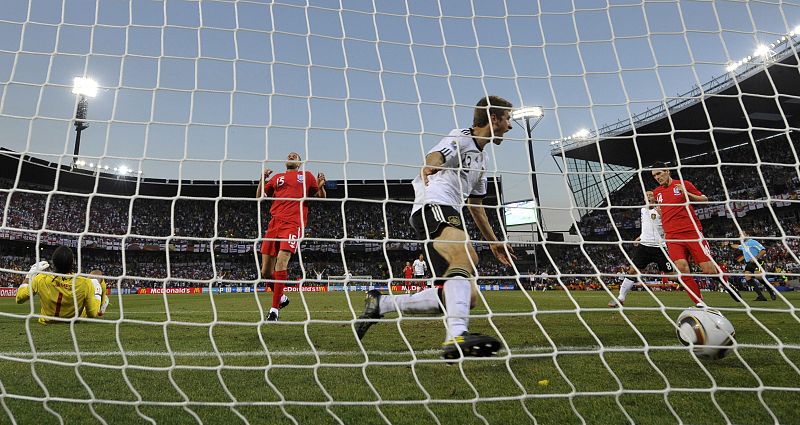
581	134
84	88
527	112
762	50
733	66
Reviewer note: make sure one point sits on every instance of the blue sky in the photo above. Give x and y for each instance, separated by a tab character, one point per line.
213	89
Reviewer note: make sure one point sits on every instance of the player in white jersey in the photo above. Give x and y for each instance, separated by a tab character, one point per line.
455	169
650	248
419	267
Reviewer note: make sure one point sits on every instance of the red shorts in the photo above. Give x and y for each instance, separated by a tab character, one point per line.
681	246
280	236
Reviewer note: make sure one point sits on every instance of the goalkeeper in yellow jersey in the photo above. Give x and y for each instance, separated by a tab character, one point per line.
66	296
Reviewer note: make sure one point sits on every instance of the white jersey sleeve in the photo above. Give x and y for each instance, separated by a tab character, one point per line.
448	147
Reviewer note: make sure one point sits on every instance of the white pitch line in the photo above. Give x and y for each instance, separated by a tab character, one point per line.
211	311
266	309
298	353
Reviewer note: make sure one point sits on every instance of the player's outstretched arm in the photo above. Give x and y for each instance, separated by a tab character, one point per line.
93	298
433	163
29	285
321	186
691	192
262	181
97	275
23	293
503	252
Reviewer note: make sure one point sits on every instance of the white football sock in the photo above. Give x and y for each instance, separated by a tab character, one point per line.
284	298
273	310
426	301
457	292
626	286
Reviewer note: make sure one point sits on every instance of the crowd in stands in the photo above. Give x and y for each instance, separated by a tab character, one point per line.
373	238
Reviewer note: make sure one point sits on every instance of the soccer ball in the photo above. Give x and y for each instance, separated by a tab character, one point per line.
710	332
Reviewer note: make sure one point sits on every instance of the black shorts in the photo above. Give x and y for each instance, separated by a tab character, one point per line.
643	256
429	220
419	276
428	223
751	267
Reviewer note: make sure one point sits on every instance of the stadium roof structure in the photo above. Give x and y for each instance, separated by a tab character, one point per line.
754	100
39	172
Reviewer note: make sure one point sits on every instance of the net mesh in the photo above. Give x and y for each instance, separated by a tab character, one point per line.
196	98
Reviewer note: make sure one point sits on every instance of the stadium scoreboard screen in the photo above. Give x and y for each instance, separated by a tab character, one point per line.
520	212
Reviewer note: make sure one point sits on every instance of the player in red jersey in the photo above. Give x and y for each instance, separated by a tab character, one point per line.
408	273
285	228
683	231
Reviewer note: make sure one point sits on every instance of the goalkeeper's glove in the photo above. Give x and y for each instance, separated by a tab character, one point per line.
103	308
36	269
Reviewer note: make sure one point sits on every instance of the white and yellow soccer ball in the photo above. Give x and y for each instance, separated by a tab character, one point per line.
711	333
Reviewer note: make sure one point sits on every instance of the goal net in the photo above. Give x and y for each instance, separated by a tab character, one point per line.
136	133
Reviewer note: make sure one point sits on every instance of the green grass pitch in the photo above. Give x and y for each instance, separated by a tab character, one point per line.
196	358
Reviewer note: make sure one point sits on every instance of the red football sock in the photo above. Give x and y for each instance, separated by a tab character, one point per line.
270	285
280	277
692	289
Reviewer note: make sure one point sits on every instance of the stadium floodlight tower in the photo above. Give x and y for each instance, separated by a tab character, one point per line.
533	116
84	88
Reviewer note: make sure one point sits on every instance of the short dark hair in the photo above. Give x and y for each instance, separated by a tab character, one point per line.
659	165
62	259
488	106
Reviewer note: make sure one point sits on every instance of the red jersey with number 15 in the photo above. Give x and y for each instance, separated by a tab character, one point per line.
295	185
677	216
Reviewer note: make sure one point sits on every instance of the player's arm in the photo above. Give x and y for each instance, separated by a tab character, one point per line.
433	163
762	252
694	194
93	298
23	292
98	276
442	156
321	186
30	286
503	252
260	191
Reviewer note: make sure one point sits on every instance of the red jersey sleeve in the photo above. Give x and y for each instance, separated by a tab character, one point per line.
269	187
691	188
311	184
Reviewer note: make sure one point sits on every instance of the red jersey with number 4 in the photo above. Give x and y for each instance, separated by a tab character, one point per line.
677	216
294	185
